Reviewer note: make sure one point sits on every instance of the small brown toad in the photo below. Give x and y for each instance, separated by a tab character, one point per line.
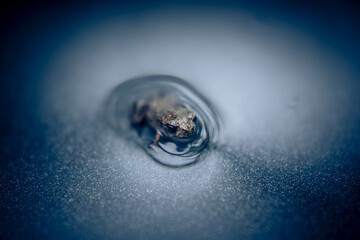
167	117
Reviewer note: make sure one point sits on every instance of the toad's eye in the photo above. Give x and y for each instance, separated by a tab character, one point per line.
171	128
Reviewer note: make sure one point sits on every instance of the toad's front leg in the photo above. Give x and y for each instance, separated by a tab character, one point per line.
156	139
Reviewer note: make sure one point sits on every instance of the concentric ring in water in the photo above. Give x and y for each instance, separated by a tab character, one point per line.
165	116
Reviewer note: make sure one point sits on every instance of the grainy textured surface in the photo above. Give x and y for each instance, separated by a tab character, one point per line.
287	166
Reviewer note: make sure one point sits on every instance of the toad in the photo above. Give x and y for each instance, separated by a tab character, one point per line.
165	116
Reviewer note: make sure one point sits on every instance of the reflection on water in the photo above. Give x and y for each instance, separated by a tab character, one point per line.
167	117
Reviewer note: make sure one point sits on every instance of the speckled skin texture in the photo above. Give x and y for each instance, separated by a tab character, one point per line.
286	85
165	115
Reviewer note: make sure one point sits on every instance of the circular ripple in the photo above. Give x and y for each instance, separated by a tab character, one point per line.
169	150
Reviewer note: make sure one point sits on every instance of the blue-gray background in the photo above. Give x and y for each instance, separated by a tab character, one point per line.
284	75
